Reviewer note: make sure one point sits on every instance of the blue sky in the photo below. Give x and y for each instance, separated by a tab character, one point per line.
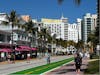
49	8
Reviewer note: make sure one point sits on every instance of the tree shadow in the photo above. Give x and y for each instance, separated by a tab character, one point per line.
68	68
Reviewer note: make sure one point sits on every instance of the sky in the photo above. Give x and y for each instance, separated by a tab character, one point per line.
38	9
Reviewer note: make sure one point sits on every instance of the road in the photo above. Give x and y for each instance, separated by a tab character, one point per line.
11	68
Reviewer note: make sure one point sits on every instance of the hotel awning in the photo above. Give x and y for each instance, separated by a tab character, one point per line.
5	50
25	47
19	49
34	49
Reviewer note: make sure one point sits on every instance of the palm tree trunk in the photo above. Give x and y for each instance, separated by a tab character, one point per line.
12	36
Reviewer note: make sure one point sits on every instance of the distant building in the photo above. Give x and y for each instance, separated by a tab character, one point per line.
26	18
94	22
79	23
89	24
73	32
57	26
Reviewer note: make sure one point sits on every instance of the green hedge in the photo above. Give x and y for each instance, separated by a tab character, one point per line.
93	67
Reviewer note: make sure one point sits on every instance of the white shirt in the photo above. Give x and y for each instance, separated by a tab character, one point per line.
28	55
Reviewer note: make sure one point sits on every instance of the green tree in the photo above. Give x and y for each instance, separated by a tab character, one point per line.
92	39
71	43
80	45
29	26
12	20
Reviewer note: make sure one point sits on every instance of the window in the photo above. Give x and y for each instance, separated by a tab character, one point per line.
2	37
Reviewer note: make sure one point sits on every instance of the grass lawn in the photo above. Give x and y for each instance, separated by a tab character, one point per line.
43	68
93	67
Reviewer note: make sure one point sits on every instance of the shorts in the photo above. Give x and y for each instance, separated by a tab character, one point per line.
77	66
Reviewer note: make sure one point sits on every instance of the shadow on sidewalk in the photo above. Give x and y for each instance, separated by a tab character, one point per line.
68	69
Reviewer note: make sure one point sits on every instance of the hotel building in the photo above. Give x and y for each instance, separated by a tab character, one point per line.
89	24
57	26
73	32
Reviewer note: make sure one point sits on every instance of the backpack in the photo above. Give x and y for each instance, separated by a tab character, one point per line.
78	60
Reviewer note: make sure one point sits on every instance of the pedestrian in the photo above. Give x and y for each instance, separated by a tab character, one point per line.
2	56
28	57
78	63
9	58
48	58
12	58
22	56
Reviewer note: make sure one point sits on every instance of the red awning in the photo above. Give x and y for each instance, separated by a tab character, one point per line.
19	49
5	50
25	47
34	49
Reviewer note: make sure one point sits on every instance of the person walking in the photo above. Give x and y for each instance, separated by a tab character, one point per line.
13	58
28	58
48	58
78	62
9	58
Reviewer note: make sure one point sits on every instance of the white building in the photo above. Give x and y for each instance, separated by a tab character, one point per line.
19	34
73	32
89	24
79	23
57	26
94	20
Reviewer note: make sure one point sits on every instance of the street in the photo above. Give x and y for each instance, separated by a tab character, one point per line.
18	66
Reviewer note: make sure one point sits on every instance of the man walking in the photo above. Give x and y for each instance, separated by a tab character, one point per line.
48	58
78	63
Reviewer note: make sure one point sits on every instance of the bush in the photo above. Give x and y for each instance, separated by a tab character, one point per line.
93	67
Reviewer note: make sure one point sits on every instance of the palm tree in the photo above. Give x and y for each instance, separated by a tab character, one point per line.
92	39
76	1
12	20
29	26
80	45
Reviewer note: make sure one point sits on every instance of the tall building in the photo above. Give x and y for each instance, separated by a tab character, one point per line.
79	23
94	20
73	32
89	23
57	26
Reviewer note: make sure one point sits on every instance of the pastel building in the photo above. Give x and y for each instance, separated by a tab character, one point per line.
73	32
20	36
26	18
57	26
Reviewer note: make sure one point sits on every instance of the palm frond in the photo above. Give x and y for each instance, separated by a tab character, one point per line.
60	1
77	2
5	23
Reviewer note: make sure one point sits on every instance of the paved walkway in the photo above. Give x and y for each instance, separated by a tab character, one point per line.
69	69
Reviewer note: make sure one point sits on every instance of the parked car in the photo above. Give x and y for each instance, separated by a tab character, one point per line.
60	53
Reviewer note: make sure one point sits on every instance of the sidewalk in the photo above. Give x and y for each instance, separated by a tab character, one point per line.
69	69
16	61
